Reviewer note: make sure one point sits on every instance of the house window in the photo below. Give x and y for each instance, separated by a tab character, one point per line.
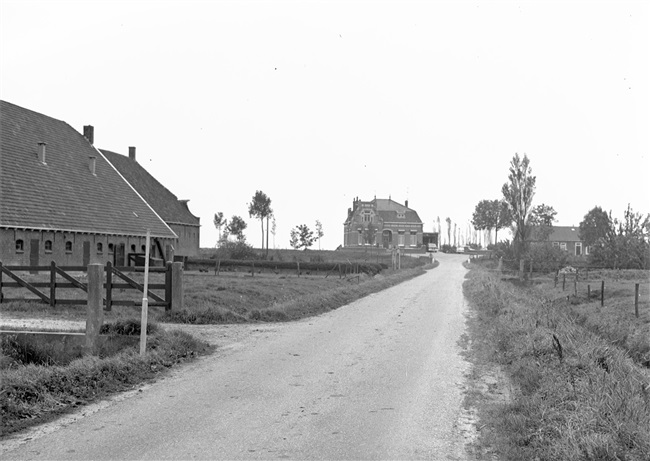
578	248
587	250
20	246
401	215
48	246
144	248
563	246
556	244
133	248
111	248
414	238
400	238
68	246
360	242
100	248
367	217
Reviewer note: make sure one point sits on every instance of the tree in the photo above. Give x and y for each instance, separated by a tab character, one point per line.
541	219
595	226
491	214
319	232
301	237
236	227
219	222
260	207
518	193
369	234
448	221
273	230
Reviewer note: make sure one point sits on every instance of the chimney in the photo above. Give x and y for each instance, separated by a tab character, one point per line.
93	164
406	203
89	133
132	153
41	152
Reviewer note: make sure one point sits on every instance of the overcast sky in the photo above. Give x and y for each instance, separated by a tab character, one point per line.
316	103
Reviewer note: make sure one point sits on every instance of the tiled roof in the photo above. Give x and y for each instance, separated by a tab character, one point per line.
387	210
158	196
564	234
63	194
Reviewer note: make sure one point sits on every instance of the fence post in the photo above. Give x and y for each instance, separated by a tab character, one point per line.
636	300
563	281
298	265
602	293
521	270
177	286
109	286
52	284
253	269
588	293
575	288
168	287
500	266
94	306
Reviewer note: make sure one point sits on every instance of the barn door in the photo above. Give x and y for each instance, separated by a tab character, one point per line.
119	255
33	253
86	254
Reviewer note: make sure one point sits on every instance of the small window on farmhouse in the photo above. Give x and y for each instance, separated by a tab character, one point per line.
20	246
48	246
563	246
144	248
68	247
587	250
100	248
556	244
111	248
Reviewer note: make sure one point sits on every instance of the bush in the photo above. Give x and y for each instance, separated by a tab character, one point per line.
546	258
235	250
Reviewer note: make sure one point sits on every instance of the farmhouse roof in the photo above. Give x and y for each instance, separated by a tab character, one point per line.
166	204
564	234
387	210
47	181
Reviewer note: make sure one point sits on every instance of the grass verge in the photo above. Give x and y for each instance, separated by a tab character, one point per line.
571	393
32	394
300	305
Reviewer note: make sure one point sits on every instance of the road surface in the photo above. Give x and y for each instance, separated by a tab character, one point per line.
380	378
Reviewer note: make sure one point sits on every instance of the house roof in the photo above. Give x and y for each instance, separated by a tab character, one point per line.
564	234
62	194
387	210
166	204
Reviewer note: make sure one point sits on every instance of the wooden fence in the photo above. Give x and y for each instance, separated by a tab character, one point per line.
60	277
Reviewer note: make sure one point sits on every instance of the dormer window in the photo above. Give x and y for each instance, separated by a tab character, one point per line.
401	215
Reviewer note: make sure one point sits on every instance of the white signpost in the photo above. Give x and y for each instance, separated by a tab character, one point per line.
145	299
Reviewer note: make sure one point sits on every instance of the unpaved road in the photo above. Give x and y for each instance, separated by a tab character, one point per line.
380	378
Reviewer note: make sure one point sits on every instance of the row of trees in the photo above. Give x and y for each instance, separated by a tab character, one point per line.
613	243
260	208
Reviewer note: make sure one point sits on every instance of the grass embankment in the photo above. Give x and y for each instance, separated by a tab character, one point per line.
574	393
34	393
232	299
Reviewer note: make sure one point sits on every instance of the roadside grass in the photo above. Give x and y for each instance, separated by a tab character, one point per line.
571	394
31	394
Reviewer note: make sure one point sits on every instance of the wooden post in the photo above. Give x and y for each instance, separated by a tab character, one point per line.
109	286
168	287
563	281
555	280
253	269
177	286
521	270
636	300
588	293
52	283
94	307
298	265
500	266
602	293
575	288
144	317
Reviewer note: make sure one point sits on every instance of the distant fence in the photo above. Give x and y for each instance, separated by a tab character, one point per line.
116	278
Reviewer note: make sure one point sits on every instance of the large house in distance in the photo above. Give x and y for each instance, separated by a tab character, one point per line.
62	200
384	223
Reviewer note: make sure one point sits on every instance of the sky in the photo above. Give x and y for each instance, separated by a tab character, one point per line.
317	103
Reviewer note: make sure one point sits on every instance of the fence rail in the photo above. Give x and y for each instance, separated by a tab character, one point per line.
56	273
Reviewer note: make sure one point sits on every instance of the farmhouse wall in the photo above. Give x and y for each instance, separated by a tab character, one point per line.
10	254
188	239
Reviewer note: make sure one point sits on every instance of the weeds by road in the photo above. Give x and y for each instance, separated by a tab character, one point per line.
573	393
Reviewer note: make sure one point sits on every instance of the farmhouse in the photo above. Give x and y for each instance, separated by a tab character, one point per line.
62	200
382	222
173	211
566	238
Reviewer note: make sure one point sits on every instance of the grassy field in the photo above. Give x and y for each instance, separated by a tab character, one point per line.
572	378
